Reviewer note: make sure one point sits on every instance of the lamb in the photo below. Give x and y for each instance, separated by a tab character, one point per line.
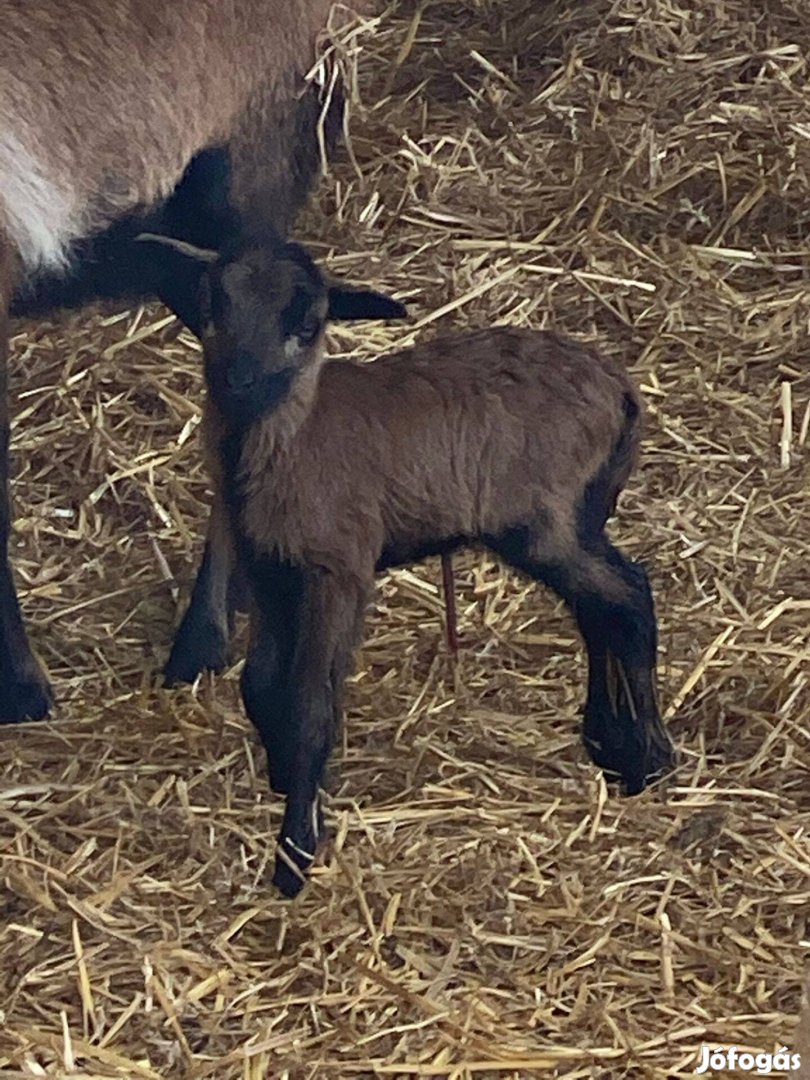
329	471
193	117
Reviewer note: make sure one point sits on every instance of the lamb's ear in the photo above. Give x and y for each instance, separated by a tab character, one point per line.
180	278
355	302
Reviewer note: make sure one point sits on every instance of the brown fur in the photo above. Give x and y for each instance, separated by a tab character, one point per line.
465	436
114	109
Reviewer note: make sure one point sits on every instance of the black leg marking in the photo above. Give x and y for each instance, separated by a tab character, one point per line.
328	624
24	690
201	643
266	677
612	603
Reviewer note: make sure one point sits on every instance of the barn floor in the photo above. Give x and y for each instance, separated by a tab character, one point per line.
632	171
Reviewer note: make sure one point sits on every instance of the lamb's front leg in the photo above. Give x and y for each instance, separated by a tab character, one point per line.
201	642
266	677
329	624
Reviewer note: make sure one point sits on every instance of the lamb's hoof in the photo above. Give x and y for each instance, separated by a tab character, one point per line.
613	764
634	765
292	867
198	647
24	699
662	757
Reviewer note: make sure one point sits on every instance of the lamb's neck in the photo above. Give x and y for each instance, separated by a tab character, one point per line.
271	438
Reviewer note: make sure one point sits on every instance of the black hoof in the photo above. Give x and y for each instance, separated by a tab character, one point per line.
292	867
24	699
301	832
662	759
613	763
631	762
197	648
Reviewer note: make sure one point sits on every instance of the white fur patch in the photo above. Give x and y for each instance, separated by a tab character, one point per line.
292	347
41	218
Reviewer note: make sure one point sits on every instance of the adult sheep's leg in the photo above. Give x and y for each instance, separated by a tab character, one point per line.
114	266
328	626
24	691
611	600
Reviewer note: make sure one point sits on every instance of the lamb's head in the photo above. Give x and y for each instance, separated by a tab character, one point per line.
260	312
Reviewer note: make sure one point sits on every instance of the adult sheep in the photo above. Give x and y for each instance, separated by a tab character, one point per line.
191	117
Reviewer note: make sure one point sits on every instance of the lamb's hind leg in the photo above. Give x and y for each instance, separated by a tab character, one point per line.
623	731
611	600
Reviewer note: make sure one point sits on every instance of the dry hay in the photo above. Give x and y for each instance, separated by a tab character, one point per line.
632	171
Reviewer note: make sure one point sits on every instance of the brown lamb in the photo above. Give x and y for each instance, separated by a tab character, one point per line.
329	471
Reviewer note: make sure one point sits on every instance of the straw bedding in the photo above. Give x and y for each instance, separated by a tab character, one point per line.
634	172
